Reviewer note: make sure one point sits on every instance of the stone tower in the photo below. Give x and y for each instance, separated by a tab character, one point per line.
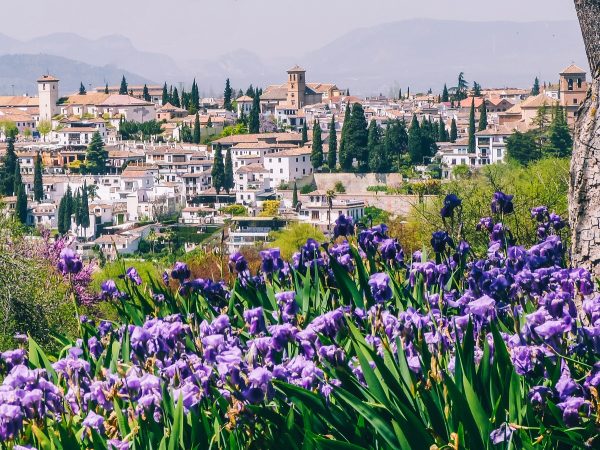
48	95
573	86
296	86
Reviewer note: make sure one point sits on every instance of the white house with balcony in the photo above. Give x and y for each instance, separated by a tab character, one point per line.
316	210
288	165
251	231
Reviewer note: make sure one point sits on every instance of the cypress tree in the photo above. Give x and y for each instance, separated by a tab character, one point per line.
146	94
441	131
357	137
38	183
304	133
77	207
378	162
165	95
196	138
254	117
60	216
10	162
82	90
523	147
445	96
106	89
472	127
345	156
483	121
96	156
21	206
17	179
175	98
415	149
316	155
123	90
85	207
228	183
227	96
295	196
536	87
400	94
453	131
331	155
67	210
218	171
195	96
250	91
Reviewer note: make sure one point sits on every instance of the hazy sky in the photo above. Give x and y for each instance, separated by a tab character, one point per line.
269	27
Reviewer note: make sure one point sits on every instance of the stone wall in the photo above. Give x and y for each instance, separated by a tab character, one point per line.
356	182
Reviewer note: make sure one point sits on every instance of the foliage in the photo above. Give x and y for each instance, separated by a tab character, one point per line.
270	208
375	216
96	156
129	129
295	196
196	136
38	184
333	147
218	170
292	237
21	206
235	210
339	187
535	90
123	89
472	127
254	117
316	155
227	93
228	183
483	121
523	147
8	168
308	188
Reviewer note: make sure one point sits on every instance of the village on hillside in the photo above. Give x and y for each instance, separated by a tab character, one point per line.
111	166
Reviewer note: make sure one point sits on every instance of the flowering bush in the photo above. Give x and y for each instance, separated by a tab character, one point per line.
351	344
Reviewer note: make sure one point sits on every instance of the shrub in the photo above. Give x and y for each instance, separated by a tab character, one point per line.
308	188
235	210
339	187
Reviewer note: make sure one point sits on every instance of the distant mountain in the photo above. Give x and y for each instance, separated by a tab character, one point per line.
18	74
114	50
427	53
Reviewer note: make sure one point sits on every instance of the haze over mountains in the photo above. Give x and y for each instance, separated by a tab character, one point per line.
419	53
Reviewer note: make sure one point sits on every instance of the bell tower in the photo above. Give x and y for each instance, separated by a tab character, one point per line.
48	96
573	86
296	87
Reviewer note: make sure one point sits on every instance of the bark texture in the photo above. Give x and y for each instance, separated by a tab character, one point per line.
584	189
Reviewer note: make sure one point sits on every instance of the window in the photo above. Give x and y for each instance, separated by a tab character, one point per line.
579	83
570	84
574	101
314	215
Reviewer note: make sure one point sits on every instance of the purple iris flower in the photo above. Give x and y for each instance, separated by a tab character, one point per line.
109	289
501	434
133	275
271	261
94	421
539	213
344	226
238	263
380	287
485	223
451	202
69	262
439	240
571	408
181	272
502	203
391	251
255	320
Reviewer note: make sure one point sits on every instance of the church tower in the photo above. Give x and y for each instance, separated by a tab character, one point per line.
48	96
572	90
296	88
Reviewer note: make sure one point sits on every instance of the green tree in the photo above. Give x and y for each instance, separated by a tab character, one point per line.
84	208
559	142
295	196
97	155
445	96
316	154
294	236
357	137
175	98
60	215
254	116
17	179
442	133
378	161
82	90
227	96
396	142
472	126
9	165
483	120
461	87
218	171
332	152
523	147
38	183
415	142
228	183
535	90
196	138
344	156
21	206
106	89
476	89
195	96
453	131
165	95
123	90
65	210
304	133
146	94
44	127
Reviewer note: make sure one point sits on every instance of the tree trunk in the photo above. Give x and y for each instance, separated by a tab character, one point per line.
584	190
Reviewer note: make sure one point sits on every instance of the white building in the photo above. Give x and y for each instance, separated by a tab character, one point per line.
316	210
288	165
251	231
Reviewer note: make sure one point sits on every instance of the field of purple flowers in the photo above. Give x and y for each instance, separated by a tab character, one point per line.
352	344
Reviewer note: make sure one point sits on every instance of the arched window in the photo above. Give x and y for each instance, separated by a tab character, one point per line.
570	84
